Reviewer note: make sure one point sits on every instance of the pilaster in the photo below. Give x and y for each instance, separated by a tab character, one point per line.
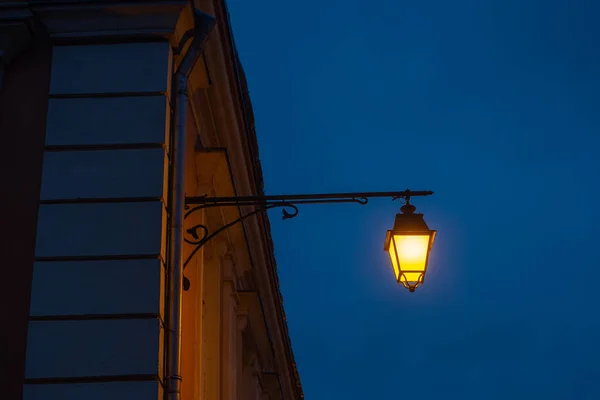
242	323
230	368
213	328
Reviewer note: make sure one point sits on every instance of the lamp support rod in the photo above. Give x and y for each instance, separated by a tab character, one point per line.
304	198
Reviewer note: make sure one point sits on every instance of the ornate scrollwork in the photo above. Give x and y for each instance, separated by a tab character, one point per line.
193	232
361	200
199	235
285	213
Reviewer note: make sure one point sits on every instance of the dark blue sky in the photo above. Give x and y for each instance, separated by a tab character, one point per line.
494	105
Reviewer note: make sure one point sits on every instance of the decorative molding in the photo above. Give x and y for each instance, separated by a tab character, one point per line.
227	98
93	18
69	19
89	19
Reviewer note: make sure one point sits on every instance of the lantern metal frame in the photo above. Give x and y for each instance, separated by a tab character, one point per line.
409	224
198	234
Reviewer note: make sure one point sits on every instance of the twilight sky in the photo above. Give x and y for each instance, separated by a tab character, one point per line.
494	105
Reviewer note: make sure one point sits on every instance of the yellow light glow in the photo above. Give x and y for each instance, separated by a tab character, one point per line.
412	255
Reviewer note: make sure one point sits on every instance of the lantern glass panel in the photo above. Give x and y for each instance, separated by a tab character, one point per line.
411	253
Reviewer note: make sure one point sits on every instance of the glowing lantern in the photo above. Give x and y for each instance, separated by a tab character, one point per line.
408	245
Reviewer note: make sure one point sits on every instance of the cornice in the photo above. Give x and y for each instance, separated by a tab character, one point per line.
91	18
62	19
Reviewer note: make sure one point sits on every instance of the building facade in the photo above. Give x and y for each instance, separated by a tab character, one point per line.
90	110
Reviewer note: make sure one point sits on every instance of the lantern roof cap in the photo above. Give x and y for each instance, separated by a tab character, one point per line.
409	221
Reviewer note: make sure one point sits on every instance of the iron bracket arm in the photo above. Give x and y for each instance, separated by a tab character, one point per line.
199	234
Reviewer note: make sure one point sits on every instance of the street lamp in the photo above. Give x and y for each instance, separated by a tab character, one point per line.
408	243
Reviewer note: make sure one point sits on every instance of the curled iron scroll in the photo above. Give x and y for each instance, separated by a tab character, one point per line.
199	235
193	232
361	200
